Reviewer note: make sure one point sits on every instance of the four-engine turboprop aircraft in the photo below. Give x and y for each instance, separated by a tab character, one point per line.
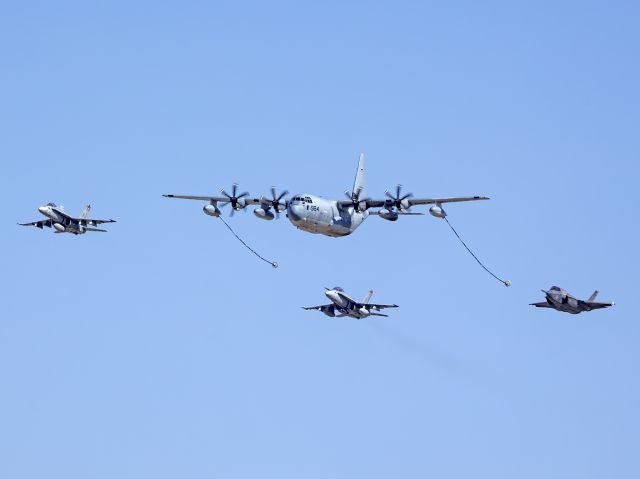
560	300
343	305
335	218
64	223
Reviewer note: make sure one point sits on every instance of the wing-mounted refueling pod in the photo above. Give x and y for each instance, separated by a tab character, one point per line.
437	210
212	209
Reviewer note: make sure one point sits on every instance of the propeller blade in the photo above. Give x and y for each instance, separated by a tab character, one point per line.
224	193
398	190
282	195
234	189
246	193
408	195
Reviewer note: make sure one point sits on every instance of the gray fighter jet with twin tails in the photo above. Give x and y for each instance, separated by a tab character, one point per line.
315	214
64	223
560	300
342	305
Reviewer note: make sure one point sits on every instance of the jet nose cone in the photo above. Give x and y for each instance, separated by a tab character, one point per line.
42	209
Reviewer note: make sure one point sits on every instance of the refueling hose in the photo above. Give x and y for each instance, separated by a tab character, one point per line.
507	283
272	263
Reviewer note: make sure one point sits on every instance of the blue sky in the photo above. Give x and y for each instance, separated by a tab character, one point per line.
163	349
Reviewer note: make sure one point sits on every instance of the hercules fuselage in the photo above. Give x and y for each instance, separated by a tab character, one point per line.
322	216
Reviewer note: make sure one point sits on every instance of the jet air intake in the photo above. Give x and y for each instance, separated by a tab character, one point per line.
329	310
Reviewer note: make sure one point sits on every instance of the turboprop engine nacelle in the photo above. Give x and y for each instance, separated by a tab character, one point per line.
437	211
329	310
263	214
211	210
59	228
389	215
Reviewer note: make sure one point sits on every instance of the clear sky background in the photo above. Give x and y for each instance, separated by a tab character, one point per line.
164	349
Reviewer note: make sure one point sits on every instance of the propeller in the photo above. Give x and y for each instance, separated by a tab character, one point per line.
359	205
275	202
236	201
398	201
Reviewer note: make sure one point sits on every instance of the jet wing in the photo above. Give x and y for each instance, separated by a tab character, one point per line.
598	305
220	199
82	221
93	222
544	304
38	224
379	306
426	201
319	308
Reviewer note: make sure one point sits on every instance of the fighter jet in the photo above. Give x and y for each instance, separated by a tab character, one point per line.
64	223
342	305
560	300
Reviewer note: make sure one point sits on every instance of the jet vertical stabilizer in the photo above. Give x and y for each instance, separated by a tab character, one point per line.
368	297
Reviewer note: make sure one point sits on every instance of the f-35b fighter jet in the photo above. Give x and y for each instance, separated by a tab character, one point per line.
342	305
560	300
64	223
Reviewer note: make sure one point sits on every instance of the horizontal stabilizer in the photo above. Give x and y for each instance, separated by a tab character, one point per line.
541	305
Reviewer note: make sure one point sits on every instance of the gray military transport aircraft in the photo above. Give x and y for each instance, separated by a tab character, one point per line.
315	214
343	305
560	300
64	223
